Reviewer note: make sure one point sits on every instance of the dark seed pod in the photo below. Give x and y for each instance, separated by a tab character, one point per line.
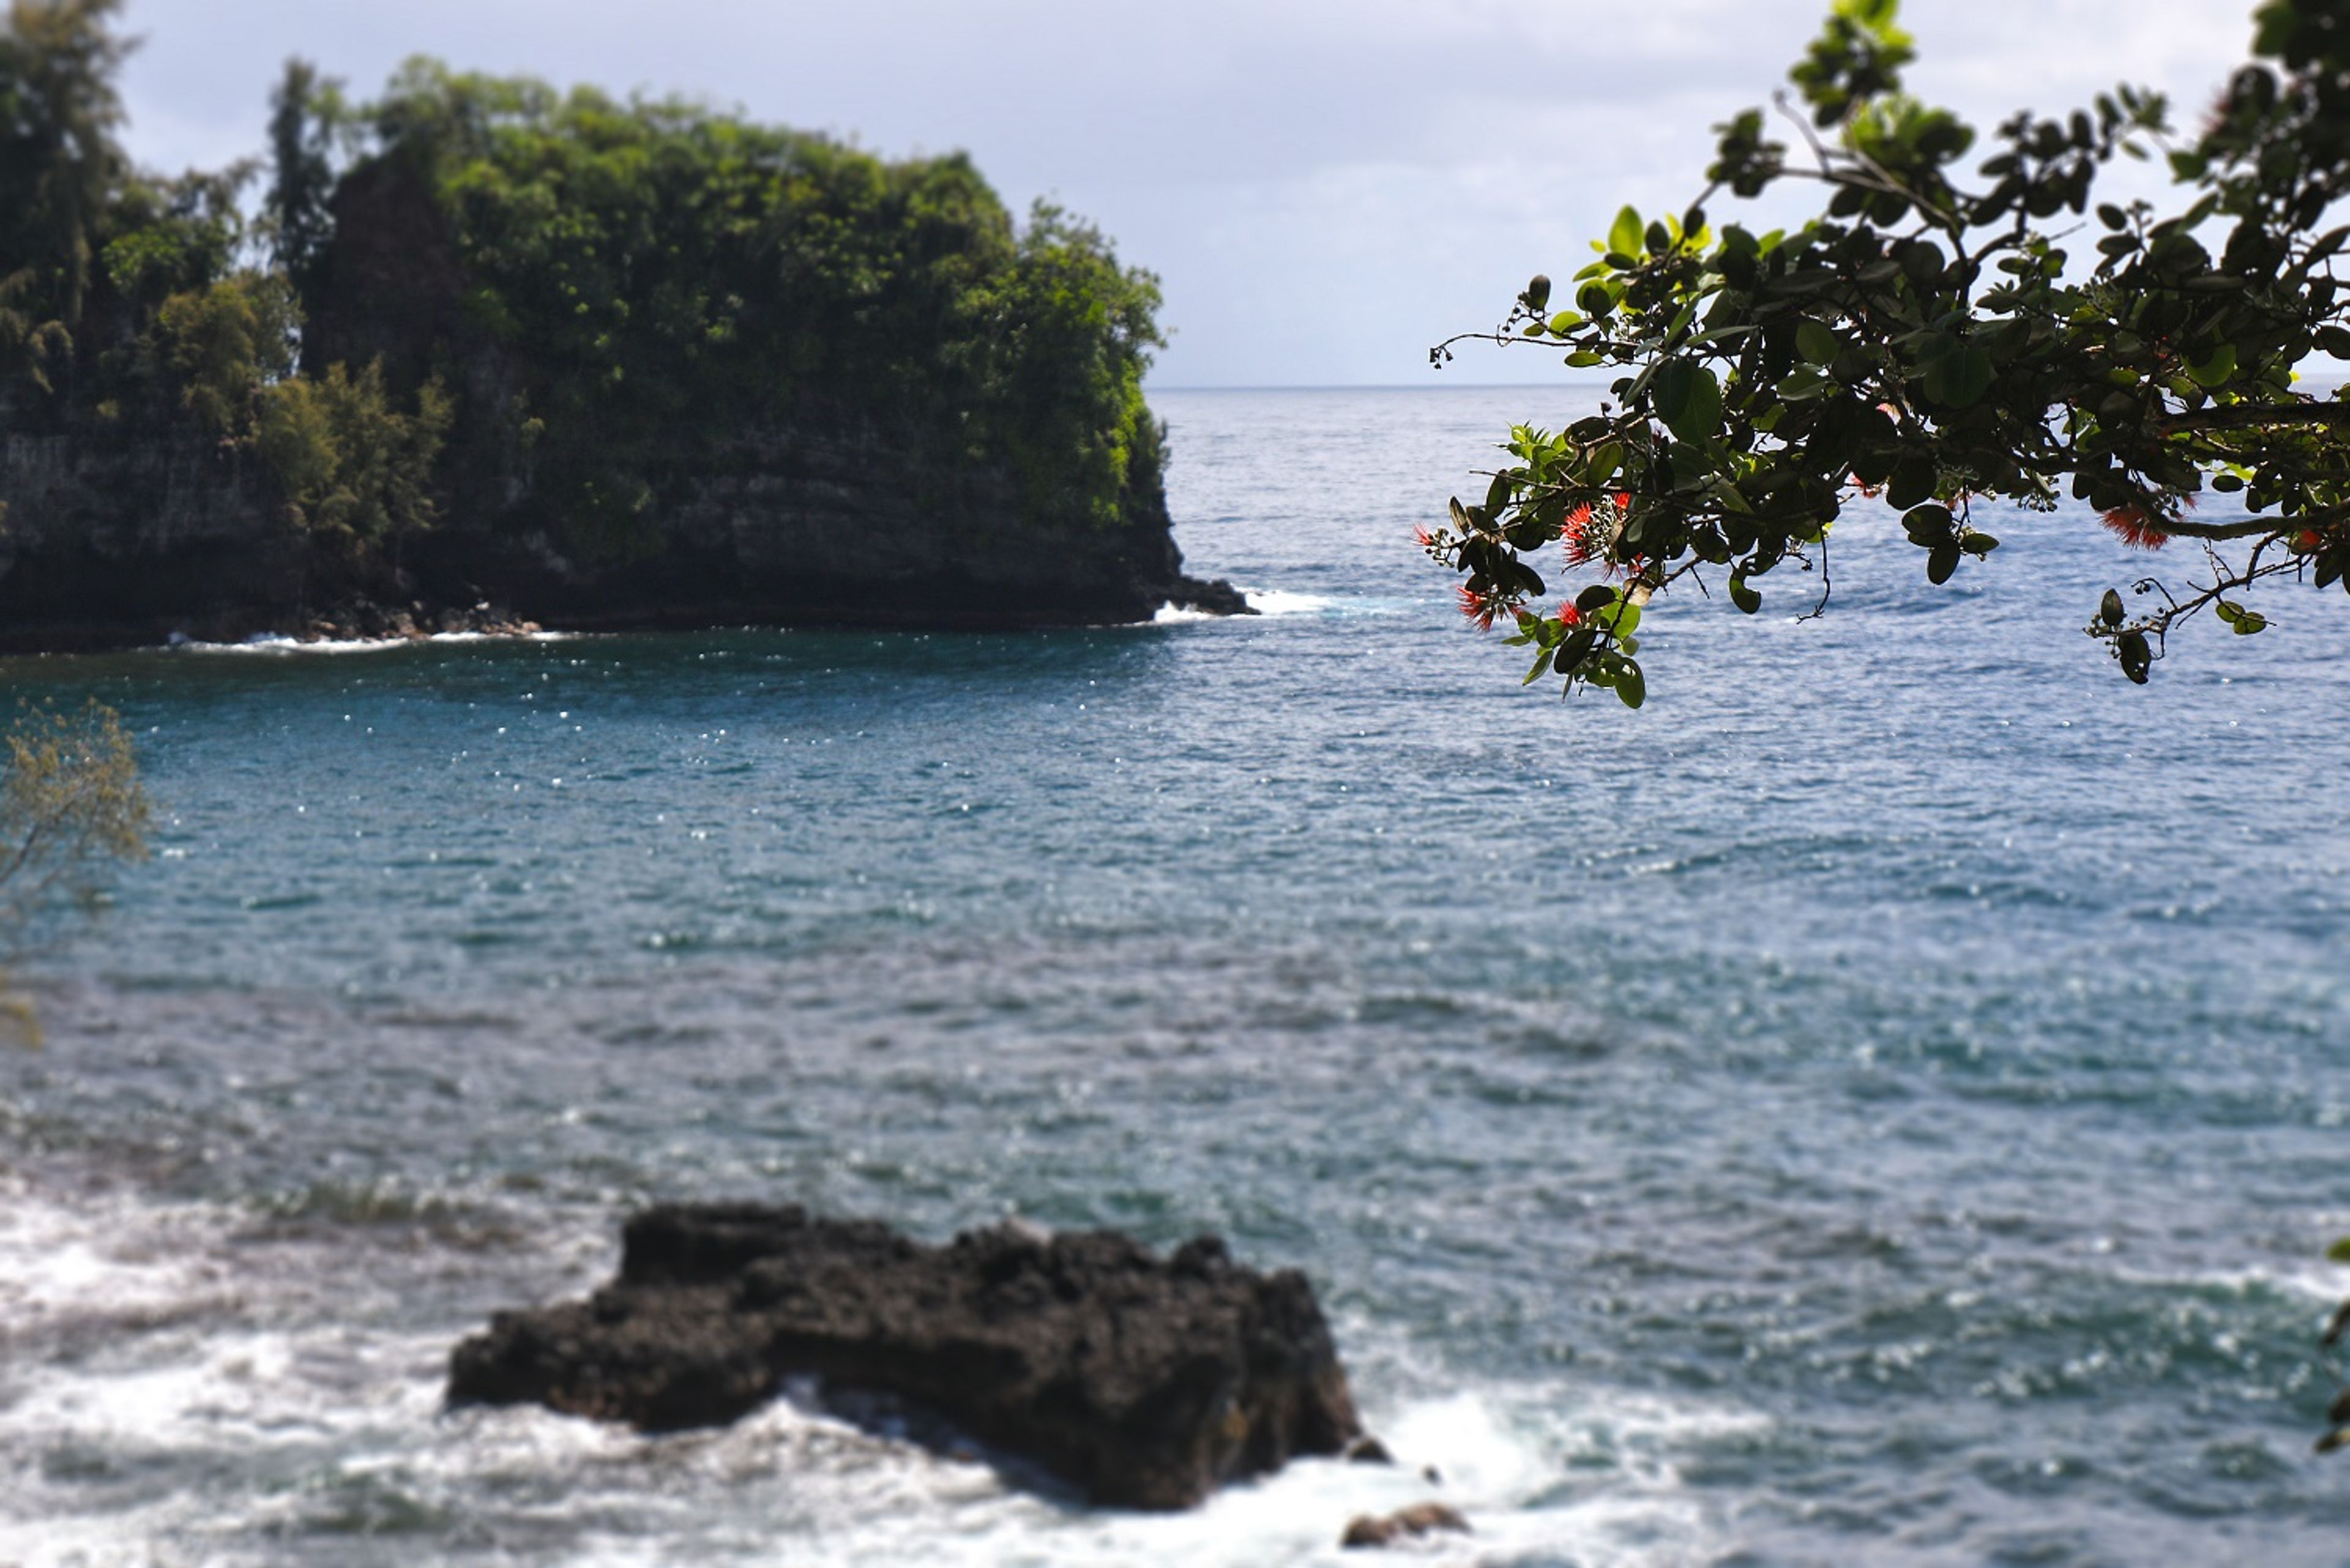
2136	657
1537	294
2109	608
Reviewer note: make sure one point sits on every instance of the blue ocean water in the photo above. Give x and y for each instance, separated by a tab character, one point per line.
1885	1101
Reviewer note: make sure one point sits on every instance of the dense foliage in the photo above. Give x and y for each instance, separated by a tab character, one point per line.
1936	336
60	169
660	271
632	285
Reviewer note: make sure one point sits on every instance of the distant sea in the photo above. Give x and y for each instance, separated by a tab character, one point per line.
1884	1102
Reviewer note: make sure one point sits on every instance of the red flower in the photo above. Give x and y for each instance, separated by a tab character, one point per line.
2305	542
1483	607
2136	529
1569	616
1576	532
1422	537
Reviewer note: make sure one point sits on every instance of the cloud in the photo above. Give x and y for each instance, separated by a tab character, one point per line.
1326	186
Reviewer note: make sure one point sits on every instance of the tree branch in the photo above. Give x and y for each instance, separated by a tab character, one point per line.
2234	416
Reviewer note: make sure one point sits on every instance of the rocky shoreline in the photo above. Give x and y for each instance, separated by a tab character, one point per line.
1138	1381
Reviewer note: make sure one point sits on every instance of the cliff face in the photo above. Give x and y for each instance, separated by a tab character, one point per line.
110	540
126	533
805	526
115	541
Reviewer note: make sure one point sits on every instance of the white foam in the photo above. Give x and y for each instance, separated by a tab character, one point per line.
1264	601
2316	1281
109	1256
279	644
1277	601
159	1339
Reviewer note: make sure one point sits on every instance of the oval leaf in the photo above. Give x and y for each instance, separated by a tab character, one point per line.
1688	398
1626	233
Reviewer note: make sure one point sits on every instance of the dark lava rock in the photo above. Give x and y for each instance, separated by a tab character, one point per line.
1217	597
1143	1382
1420	1519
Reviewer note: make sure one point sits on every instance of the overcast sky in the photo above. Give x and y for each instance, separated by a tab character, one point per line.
1324	186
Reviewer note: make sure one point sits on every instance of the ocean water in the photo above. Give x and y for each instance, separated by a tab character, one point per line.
1884	1101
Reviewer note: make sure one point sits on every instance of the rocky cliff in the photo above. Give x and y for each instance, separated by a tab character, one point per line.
115	540
730	492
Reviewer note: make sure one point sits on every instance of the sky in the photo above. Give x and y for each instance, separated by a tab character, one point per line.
1325	187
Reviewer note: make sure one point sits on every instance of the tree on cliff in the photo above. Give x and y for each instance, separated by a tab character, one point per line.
59	165
539	310
1932	337
307	118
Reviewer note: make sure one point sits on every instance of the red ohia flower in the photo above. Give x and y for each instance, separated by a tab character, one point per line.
2136	528
1422	537
1569	616
1576	532
1481	607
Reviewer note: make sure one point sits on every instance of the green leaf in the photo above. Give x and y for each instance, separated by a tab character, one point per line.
1688	398
1632	685
1745	599
1960	378
2215	370
1804	383
1542	666
1976	544
2250	624
2109	608
1565	321
1912	481
1940	562
2229	611
1626	233
1815	343
2339	1253
1623	618
1929	526
1575	648
1595	599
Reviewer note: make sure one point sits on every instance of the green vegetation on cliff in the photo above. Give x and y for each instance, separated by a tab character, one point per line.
482	297
655	269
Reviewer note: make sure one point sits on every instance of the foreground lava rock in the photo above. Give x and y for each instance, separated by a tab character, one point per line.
1404	1524
1143	1382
